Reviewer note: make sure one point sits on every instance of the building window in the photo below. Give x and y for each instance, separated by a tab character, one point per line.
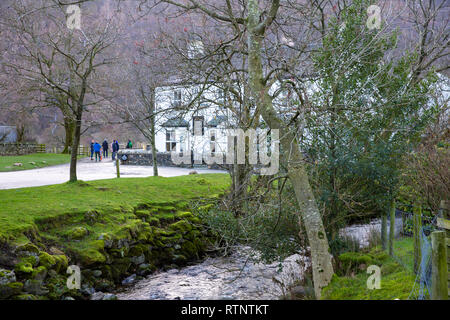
171	143
198	125
221	95
213	142
177	98
182	141
195	48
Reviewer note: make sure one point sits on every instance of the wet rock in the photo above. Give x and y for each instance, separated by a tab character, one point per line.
104	285
109	296
68	298
87	290
130	280
97	296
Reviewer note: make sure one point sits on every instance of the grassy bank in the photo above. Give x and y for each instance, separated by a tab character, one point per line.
22	210
112	229
397	278
32	161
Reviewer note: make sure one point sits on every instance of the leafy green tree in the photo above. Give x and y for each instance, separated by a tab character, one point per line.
367	113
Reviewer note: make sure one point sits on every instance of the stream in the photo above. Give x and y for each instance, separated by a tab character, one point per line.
233	277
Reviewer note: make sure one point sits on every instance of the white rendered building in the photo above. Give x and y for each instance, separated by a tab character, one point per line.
175	120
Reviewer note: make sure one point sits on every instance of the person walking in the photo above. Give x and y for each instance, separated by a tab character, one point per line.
97	149
105	149
115	149
129	145
92	149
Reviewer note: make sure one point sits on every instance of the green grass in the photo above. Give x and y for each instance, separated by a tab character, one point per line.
61	206
404	252
397	279
40	160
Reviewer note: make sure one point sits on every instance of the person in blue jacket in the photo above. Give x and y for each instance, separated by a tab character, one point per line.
97	149
92	149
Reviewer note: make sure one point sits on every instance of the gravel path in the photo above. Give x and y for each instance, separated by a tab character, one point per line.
86	170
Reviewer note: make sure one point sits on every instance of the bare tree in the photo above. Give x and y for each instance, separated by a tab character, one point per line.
63	64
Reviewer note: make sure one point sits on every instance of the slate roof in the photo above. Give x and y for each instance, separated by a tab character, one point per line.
217	120
176	122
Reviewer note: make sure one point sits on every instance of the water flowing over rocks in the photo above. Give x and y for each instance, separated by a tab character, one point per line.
234	277
227	278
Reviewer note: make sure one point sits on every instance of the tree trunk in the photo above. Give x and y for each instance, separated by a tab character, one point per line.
153	131
384	237
312	220
392	227
69	127
77	136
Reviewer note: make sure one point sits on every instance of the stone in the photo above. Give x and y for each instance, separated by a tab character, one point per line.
40	273
104	285
55	251
87	290
78	233
97	296
46	260
138	260
10	289
68	298
32	163
35	287
129	280
17	164
109	296
97	273
7	276
26	297
107	240
193	172
27	249
123	243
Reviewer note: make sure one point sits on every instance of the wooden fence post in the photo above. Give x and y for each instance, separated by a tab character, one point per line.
443	222
384	239
117	167
439	290
392	228
417	226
